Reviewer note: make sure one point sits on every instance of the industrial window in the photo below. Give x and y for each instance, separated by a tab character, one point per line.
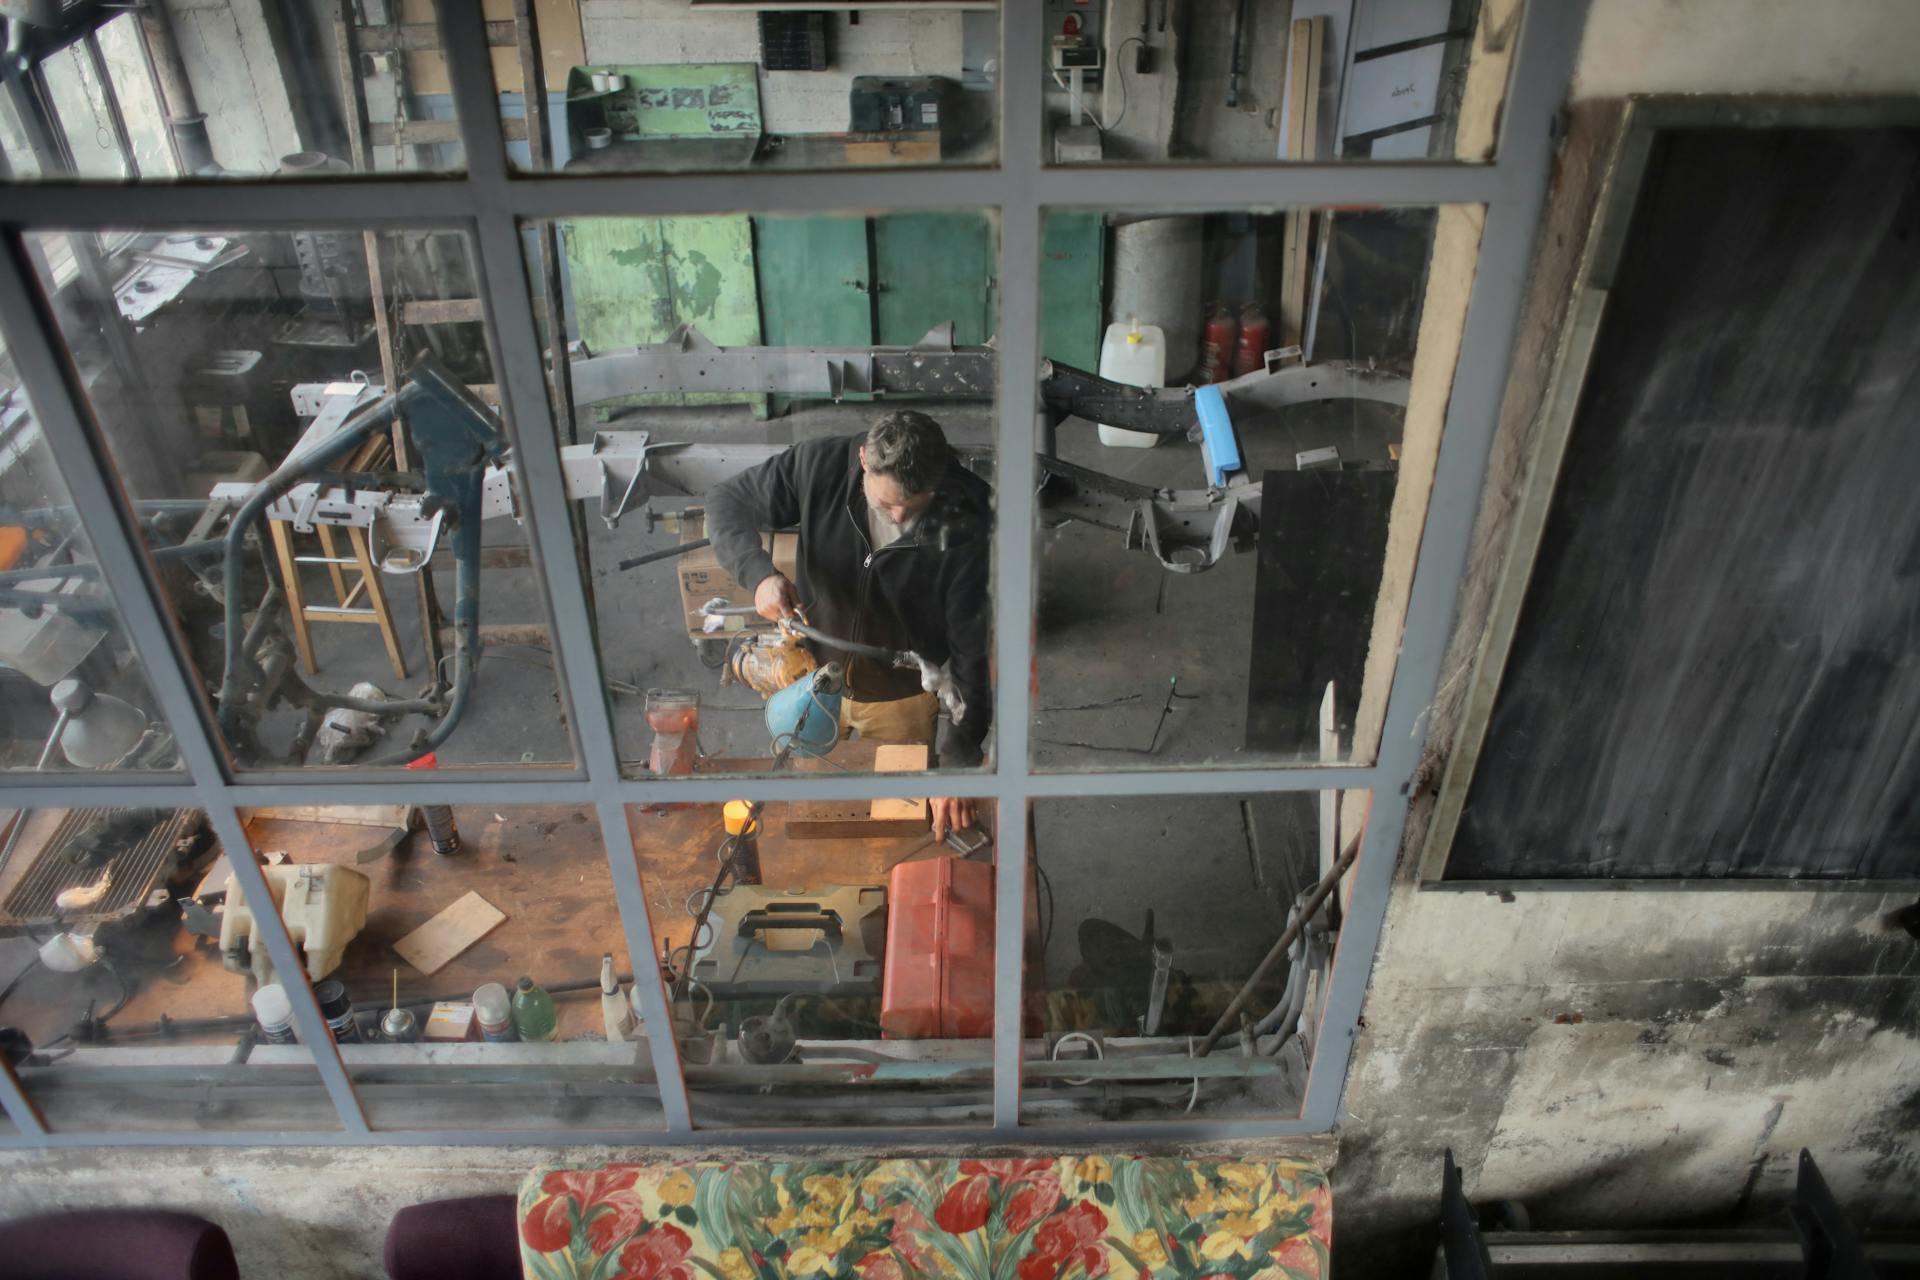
657	572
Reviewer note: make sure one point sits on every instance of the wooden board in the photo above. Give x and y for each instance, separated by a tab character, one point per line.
352	815
899	758
449	933
1711	674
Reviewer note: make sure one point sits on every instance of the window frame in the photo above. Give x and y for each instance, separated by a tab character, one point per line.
490	203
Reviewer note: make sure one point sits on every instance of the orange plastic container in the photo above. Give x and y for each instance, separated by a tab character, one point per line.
939	972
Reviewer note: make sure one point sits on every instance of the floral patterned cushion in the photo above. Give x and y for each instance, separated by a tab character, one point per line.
1129	1218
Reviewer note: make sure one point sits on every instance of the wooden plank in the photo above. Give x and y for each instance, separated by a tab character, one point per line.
413	37
443	311
893	148
417	133
448	934
562	44
899	758
847	820
353	815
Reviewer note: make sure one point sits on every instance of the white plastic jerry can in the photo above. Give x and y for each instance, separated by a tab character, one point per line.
1135	354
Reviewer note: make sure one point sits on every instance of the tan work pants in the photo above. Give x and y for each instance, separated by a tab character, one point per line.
901	720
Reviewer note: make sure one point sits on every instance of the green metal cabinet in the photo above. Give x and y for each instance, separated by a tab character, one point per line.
931	268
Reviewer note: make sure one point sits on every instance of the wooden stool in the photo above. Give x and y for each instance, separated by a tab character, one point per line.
349	608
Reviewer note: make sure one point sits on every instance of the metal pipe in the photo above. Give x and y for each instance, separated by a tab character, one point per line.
186	123
1319	895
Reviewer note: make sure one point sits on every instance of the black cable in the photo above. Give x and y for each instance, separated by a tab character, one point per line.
25	969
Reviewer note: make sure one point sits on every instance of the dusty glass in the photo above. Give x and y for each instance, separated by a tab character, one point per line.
725	379
654	86
459	905
230	90
334	551
1236	82
138	987
1161	984
73	691
1241	411
829	962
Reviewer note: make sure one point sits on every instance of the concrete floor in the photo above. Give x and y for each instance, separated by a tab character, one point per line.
1114	632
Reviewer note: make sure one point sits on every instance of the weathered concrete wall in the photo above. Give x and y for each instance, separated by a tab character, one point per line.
1632	1058
790	101
236	79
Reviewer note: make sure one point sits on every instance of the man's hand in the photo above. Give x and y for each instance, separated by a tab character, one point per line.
775	598
949	813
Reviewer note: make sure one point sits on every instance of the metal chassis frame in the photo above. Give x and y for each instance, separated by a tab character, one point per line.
1626	171
488	203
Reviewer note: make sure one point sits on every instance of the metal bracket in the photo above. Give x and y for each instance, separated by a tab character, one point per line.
634	455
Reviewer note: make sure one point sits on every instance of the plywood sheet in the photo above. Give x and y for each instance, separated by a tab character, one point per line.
449	933
899	758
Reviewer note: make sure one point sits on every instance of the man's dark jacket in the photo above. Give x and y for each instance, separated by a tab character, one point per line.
926	592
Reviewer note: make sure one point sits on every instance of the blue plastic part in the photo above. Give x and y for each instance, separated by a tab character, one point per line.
1219	447
805	717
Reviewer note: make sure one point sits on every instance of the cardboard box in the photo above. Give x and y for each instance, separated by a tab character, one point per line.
702	579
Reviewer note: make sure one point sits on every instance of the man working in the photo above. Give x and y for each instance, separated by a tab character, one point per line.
895	544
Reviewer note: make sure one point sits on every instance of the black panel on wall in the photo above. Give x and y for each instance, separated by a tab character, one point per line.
1716	670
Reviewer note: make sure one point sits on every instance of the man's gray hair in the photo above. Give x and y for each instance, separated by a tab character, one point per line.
910	447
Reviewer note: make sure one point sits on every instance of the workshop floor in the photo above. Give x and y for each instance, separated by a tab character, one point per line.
1115	632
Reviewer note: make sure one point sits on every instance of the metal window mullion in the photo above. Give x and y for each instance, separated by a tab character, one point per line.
376	202
1549	40
84	467
522	376
1022	130
15	1102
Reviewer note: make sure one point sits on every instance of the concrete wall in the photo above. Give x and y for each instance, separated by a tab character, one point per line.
236	78
790	101
1634	1058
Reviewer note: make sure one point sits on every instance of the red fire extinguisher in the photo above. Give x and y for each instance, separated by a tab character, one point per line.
1216	344
1256	335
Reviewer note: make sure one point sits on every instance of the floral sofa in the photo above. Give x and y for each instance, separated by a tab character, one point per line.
1069	1218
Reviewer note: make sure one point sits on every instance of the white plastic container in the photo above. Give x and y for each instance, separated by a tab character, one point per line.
1135	354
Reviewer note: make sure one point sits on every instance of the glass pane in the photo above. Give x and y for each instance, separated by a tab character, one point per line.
73	693
1228	82
655	86
1157	915
750	361
258	92
459	905
829	963
1210	555
223	360
137	976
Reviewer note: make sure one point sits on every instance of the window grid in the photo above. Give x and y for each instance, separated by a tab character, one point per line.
488	203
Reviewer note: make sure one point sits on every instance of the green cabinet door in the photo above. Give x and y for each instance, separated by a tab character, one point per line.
931	268
816	284
637	279
1072	274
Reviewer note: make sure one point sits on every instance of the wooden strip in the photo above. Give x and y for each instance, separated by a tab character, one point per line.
445	936
419	133
1299	53
443	311
899	758
357	815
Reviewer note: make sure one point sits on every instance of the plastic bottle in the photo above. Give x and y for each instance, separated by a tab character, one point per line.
616	1010
1135	354
533	1017
274	1012
494	1012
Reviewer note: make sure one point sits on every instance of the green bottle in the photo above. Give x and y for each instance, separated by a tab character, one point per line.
533	1011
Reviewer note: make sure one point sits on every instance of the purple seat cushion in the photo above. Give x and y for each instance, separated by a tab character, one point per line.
472	1238
116	1244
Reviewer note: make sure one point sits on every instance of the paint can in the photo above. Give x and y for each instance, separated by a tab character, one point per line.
336	1006
274	1012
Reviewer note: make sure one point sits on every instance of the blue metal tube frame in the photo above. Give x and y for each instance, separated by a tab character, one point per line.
489	204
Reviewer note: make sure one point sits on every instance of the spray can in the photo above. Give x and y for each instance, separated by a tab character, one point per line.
337	1008
400	1026
274	1012
494	1013
616	1011
438	817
